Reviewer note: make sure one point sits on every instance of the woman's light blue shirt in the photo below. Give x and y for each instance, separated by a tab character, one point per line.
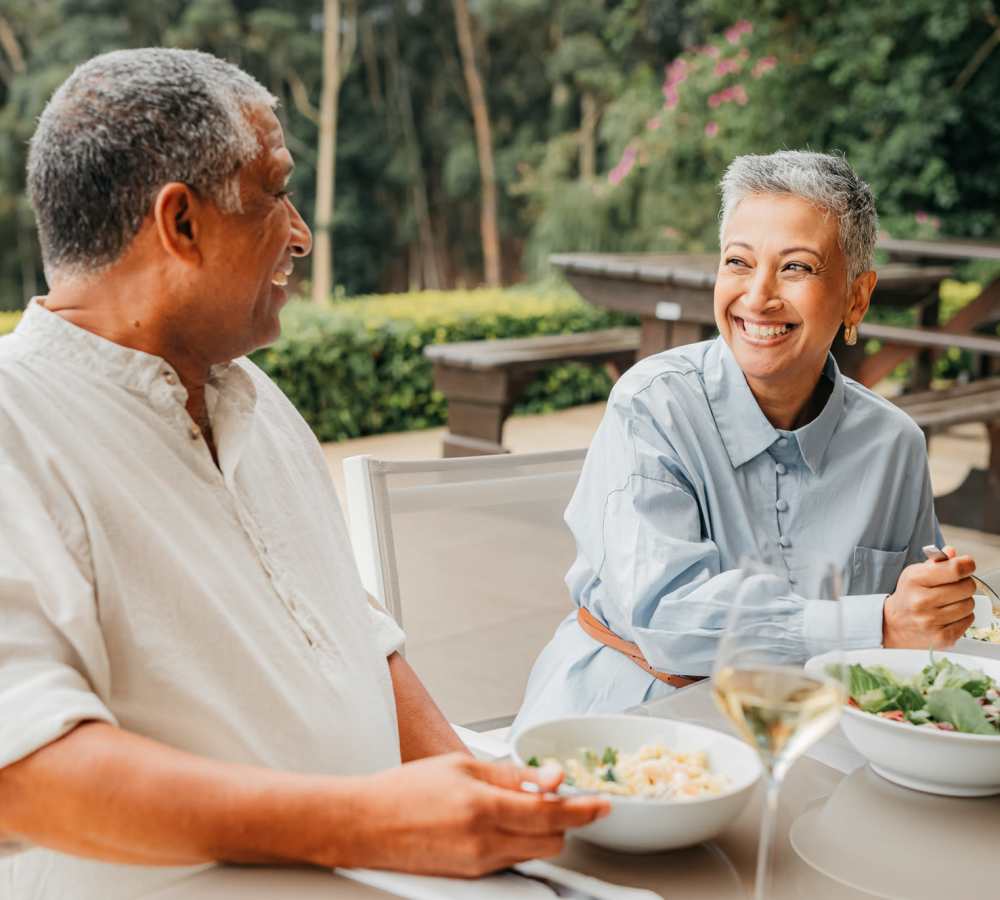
685	477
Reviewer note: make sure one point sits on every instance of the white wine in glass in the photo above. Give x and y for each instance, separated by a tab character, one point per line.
759	683
779	710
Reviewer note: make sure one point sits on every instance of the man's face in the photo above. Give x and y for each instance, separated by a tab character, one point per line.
248	255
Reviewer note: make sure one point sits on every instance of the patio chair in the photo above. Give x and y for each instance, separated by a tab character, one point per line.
468	555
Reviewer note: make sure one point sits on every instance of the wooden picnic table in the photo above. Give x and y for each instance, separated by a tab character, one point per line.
984	310
672	293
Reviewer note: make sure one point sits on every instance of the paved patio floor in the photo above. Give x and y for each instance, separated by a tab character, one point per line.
952	454
477	673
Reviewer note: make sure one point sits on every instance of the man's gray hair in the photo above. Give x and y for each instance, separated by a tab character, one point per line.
823	179
119	128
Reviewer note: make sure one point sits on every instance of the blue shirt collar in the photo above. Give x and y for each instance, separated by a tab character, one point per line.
815	437
744	428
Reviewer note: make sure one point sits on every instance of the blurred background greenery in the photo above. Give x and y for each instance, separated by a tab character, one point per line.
477	136
609	122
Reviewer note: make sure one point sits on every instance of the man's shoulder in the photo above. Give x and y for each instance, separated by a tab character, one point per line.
272	402
18	384
261	380
12	351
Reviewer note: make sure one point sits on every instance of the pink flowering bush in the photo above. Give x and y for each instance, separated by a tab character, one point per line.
666	140
670	143
904	90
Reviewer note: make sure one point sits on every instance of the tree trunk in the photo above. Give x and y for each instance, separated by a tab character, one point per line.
322	267
369	53
484	146
428	271
336	59
588	136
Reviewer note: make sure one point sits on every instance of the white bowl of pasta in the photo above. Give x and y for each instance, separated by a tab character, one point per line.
671	784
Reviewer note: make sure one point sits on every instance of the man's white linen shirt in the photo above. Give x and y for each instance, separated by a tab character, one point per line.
214	608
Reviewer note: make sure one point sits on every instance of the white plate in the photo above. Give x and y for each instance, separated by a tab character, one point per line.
637	825
926	759
861	832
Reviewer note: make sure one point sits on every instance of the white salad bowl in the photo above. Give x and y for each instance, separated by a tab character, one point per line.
636	824
926	759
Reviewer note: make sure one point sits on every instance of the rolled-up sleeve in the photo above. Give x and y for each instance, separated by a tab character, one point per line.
388	635
51	648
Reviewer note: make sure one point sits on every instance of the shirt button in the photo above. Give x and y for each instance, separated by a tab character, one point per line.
780	468
784	541
195	432
783	442
781	506
292	605
791	579
168	377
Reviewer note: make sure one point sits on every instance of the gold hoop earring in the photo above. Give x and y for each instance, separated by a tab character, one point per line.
850	335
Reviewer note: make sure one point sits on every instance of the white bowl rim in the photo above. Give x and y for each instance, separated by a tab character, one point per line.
908	727
650	801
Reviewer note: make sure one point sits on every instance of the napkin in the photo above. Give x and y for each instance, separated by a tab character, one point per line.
502	886
489	745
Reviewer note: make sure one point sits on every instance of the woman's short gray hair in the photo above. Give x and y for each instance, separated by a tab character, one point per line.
824	179
119	128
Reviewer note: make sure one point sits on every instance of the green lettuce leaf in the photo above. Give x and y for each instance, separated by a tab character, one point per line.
956	706
910	699
951	675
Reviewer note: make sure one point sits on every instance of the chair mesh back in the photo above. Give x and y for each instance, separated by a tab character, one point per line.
481	550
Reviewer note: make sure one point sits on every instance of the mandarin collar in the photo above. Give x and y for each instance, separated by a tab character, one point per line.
744	428
133	369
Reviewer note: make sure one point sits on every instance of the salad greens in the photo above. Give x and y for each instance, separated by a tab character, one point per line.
943	695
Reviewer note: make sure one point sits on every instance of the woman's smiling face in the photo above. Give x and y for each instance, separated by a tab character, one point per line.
782	290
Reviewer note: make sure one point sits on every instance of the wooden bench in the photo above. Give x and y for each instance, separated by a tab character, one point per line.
482	380
976	503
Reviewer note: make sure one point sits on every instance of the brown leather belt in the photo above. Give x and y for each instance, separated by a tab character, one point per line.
600	632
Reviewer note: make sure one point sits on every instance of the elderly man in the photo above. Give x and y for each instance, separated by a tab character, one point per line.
190	670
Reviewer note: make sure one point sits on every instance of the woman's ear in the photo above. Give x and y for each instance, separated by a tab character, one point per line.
177	213
861	296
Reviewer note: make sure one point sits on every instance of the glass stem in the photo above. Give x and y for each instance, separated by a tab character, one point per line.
767	825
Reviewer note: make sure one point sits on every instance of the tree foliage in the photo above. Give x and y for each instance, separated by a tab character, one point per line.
611	120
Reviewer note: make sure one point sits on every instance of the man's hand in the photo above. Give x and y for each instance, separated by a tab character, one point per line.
448	815
454	815
932	604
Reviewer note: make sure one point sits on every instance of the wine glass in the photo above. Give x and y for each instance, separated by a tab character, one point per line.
758	681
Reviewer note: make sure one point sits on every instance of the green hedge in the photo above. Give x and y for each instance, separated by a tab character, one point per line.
357	367
8	321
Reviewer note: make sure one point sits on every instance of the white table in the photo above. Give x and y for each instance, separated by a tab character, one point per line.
870	838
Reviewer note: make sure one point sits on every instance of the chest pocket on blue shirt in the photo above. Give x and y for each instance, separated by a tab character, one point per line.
875	571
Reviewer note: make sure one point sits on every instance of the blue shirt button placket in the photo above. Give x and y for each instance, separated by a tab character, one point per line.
782	506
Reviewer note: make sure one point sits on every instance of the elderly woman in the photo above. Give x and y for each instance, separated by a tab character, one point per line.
752	445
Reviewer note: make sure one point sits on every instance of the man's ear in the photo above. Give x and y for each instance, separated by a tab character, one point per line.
177	212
